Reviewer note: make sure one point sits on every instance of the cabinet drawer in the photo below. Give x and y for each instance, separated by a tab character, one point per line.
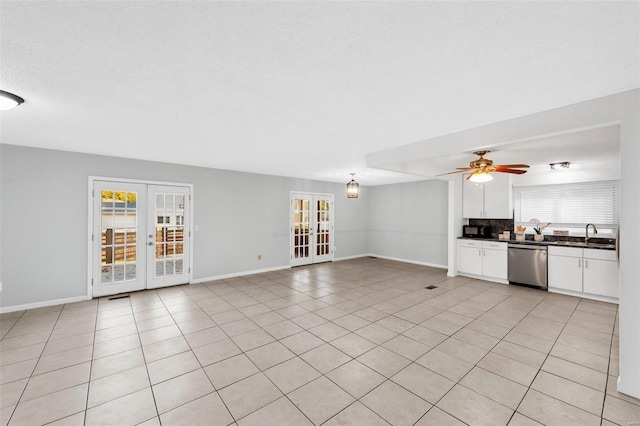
600	254
470	243
494	246
565	251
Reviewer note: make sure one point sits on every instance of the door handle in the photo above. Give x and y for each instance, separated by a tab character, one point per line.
150	235
150	243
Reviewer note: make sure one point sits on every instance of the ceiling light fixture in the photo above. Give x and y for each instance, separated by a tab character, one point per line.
480	177
560	166
352	188
9	100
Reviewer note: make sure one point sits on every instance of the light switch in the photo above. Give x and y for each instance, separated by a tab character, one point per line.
197	228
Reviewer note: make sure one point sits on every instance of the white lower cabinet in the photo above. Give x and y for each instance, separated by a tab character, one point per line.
565	268
588	271
470	260
601	273
484	259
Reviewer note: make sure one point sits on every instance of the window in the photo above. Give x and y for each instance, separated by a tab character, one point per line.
569	206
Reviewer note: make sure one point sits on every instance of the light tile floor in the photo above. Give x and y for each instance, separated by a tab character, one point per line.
353	342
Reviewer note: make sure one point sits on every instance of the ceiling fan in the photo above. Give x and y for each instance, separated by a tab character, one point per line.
482	167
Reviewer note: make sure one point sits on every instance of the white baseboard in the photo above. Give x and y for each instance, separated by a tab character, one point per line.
357	256
415	262
206	279
238	274
584	295
43	304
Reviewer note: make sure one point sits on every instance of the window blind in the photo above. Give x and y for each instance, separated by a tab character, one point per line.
569	204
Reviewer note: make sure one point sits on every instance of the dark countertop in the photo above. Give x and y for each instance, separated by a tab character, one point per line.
603	245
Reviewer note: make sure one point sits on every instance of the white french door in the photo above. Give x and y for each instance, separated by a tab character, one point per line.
168	237
311	228
140	236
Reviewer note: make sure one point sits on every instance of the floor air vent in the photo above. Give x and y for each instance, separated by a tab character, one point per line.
121	296
431	287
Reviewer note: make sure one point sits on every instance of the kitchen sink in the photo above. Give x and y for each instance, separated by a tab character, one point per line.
583	244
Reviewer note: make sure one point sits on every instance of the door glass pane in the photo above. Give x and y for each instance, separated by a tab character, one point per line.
118	222
323	228
169	250
301	215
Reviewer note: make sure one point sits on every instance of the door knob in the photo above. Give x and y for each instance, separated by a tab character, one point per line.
150	235
150	243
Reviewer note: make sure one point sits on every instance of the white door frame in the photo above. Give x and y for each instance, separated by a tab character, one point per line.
332	215
91	181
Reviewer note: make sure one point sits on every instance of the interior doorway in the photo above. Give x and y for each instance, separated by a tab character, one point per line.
140	236
311	228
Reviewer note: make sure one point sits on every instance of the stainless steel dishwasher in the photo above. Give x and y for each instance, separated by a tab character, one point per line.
528	265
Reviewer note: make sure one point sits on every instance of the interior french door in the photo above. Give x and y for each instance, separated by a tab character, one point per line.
311	228
140	237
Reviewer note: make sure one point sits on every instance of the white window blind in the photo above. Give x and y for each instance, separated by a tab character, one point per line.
569	204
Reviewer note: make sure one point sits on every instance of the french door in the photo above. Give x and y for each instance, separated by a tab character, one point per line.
140	236
311	228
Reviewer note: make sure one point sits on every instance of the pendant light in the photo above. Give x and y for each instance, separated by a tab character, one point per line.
9	100
352	188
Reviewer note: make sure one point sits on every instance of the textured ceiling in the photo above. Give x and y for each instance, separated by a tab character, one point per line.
298	88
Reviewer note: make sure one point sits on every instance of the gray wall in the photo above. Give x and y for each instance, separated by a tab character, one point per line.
409	221
44	219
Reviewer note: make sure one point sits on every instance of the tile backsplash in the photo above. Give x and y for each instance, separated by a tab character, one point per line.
497	225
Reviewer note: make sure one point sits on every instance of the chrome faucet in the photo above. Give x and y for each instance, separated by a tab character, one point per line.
586	232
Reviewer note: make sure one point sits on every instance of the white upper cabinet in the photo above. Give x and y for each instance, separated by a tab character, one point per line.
472	199
487	200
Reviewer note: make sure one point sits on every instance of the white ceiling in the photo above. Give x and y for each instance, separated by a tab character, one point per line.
580	148
298	89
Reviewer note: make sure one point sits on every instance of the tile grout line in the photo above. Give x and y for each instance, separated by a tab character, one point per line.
372	293
36	364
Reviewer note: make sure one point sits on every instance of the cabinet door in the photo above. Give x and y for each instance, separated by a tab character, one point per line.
601	277
494	263
565	272
469	260
497	197
472	199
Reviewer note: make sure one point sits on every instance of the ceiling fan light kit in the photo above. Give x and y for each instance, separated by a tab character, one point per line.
9	100
480	177
482	168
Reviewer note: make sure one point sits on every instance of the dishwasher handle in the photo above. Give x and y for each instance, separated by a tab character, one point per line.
527	247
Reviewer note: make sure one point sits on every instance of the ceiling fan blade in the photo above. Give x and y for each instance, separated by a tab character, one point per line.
513	171
450	173
513	166
464	169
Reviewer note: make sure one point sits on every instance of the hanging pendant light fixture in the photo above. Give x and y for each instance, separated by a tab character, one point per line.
9	100
352	188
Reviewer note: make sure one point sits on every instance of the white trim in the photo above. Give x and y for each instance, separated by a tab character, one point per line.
483	278
90	195
357	256
43	304
584	295
142	181
310	193
239	274
415	262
